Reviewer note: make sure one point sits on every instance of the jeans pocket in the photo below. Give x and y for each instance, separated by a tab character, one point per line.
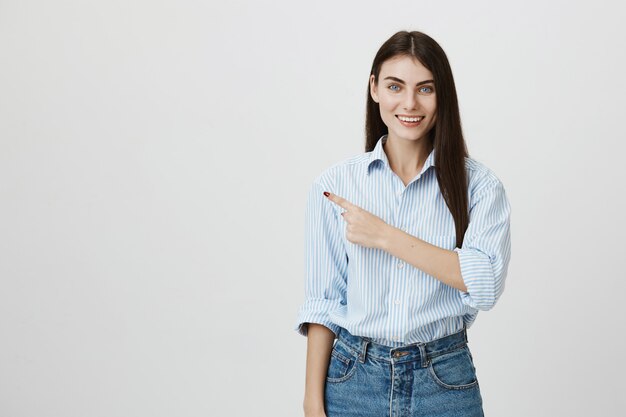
454	369
342	365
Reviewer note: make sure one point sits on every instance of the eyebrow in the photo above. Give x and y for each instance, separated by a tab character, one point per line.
398	80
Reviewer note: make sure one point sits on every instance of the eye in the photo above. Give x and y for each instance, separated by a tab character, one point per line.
428	89
393	85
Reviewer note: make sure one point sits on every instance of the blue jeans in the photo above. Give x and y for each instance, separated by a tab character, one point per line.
437	378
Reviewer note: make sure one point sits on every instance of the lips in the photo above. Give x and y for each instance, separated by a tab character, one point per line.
410	121
410	118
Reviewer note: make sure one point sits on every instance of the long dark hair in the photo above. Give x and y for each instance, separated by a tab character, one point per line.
446	137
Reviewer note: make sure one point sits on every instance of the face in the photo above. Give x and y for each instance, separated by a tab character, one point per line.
405	91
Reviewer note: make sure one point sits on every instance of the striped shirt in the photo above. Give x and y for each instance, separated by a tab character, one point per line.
371	293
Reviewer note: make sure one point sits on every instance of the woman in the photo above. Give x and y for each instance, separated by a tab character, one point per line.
405	243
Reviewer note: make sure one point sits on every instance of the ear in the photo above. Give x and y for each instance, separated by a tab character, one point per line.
373	89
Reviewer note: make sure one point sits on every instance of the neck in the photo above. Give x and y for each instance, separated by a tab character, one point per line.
407	157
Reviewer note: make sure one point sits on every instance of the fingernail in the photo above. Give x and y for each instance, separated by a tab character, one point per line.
326	193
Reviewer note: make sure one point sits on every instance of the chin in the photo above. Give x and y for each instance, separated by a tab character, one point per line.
413	137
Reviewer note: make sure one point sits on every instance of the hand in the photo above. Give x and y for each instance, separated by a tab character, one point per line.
315	409
363	228
315	413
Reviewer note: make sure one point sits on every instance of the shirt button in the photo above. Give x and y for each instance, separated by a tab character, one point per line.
400	264
396	338
397	301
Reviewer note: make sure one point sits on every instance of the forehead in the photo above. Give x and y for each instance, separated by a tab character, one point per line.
406	68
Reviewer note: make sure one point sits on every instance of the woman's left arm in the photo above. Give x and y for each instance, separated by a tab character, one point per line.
441	263
478	269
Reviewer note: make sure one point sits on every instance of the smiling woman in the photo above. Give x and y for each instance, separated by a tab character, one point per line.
408	108
405	244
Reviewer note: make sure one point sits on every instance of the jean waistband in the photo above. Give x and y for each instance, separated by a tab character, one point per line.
364	346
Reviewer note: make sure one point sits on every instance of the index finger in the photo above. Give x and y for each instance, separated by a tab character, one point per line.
342	202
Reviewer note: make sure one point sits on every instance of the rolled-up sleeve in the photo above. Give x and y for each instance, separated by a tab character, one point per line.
486	250
326	262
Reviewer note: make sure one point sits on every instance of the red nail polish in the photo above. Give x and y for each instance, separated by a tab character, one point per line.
326	193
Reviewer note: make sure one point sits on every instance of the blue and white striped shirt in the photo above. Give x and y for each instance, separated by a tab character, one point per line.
371	293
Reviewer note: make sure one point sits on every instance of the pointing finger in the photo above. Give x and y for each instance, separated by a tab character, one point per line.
342	202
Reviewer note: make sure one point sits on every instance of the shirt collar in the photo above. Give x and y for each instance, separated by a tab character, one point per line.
378	153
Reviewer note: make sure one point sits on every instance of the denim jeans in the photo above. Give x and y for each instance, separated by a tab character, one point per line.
437	378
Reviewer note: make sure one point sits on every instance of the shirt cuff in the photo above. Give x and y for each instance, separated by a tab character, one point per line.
478	276
316	311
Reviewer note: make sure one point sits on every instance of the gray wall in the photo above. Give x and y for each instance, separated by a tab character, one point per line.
154	163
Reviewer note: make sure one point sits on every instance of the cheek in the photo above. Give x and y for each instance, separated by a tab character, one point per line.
388	104
385	108
433	113
434	105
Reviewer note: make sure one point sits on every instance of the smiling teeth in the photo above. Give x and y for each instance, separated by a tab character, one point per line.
411	119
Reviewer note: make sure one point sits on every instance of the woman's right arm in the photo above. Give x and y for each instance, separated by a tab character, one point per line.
326	272
319	346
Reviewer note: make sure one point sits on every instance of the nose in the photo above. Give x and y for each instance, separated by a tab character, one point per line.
410	101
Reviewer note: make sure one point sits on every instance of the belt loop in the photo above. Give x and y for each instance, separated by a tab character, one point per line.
423	356
363	353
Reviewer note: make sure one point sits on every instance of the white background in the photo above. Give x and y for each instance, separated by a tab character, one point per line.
154	162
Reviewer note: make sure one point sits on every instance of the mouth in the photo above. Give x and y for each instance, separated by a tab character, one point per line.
410	121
